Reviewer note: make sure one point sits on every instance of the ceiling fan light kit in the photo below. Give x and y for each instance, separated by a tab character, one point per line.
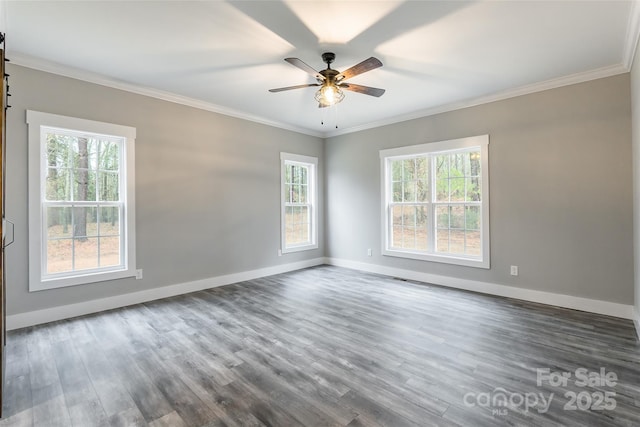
329	95
331	81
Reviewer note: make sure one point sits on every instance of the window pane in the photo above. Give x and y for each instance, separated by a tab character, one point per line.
442	167
86	253
289	233
304	175
92	154
456	241
466	162
298	175
422	191
109	156
456	167
109	221
304	233
58	222
59	256
409	191
303	194
457	217
442	216
57	151
474	162
303	215
84	185
442	190
473	246
293	238
58	184
288	213
109	251
473	189
397	192
409	215
287	173
287	193
396	238
422	225
79	152
442	240
422	165
472	218
84	221
396	170
456	189
109	186
409	238
409	170
396	215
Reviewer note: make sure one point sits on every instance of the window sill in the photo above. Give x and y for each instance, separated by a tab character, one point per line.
84	279
299	249
444	259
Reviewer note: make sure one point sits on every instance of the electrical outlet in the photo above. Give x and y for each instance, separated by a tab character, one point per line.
514	270
279	252
139	274
369	253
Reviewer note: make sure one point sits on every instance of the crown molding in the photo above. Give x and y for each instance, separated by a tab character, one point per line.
29	61
63	70
510	93
632	36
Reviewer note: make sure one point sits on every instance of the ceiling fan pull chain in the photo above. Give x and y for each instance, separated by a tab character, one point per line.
323	115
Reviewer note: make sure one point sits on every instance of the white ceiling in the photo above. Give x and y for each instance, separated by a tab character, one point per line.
224	56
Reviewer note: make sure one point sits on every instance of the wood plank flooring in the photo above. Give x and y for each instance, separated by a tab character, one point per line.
324	346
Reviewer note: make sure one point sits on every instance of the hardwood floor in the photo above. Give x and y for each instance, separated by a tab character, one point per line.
324	346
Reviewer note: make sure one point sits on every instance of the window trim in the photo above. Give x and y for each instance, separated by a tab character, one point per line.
36	121
312	194
481	142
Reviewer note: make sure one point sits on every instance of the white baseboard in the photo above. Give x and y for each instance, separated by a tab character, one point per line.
37	317
22	320
559	300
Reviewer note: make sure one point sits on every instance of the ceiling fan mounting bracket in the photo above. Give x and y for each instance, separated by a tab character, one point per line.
328	58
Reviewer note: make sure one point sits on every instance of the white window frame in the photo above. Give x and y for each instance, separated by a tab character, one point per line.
431	149
312	188
37	122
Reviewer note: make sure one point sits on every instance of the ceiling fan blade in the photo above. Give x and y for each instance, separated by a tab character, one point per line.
304	67
367	90
281	89
363	67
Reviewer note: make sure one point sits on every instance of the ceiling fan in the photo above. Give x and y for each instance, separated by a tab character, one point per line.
331	81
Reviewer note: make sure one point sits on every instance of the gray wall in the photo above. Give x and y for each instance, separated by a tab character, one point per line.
560	183
635	120
207	187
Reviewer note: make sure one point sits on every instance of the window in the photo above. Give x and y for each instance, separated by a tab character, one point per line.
436	201
299	202
81	201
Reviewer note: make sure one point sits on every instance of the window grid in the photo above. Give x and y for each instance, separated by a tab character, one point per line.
100	160
410	193
298	206
460	171
462	203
